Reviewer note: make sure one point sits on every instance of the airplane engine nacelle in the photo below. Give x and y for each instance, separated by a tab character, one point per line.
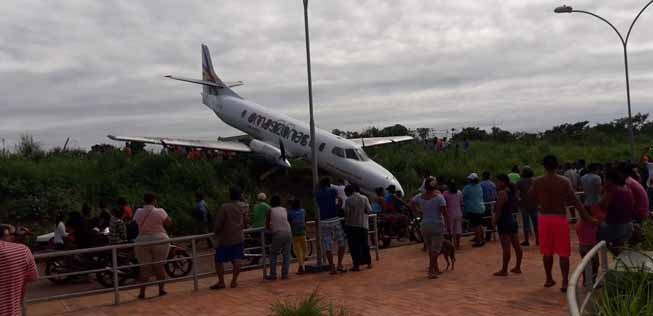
269	152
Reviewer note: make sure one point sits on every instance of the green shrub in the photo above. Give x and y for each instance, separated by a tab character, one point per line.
312	305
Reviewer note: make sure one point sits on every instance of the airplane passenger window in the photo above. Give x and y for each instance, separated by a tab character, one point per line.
351	154
362	155
321	148
338	152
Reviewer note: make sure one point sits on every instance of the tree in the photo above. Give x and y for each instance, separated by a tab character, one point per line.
395	130
471	133
423	132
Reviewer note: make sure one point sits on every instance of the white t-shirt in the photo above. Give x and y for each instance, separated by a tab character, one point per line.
341	192
279	220
60	233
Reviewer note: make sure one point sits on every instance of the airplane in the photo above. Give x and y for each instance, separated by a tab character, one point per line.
278	138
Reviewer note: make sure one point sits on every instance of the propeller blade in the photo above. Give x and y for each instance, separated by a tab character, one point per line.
283	150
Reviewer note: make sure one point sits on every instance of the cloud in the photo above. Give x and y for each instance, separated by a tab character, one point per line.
85	69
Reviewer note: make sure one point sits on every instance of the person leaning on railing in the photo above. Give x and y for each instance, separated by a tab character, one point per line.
151	227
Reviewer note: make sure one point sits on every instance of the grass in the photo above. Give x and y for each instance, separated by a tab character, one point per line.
311	305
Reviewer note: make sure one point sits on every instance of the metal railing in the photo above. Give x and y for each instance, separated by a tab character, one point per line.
591	281
113	267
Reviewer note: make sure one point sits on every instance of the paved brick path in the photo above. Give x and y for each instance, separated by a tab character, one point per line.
396	286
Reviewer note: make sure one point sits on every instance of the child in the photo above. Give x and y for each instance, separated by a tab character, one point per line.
297	219
454	198
587	236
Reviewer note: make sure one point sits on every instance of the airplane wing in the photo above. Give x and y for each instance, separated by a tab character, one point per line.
378	141
218	144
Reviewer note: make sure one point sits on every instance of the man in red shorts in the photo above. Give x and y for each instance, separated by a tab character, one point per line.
552	193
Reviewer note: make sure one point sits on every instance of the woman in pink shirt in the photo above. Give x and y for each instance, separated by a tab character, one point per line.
454	199
151	227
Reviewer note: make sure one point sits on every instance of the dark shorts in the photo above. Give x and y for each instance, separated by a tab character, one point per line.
615	233
475	219
507	228
229	253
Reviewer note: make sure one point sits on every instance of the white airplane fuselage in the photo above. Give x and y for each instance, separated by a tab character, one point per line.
340	157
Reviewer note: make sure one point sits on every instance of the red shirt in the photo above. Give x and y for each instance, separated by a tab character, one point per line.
640	196
17	267
127	213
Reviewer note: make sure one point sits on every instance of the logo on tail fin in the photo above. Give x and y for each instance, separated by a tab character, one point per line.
207	66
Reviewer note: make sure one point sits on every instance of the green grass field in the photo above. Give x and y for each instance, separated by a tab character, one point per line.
34	189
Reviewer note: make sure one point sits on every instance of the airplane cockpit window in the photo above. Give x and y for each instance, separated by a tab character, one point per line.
321	148
363	156
244	113
338	152
351	154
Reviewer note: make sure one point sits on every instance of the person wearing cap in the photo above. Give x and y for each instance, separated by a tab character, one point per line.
474	208
552	192
260	210
17	269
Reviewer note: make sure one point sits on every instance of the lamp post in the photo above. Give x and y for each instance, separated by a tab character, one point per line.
318	237
624	43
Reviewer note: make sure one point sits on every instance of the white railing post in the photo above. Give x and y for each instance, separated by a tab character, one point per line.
376	236
114	267
604	259
263	256
193	244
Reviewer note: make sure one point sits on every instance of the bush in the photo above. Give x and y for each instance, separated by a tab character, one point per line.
312	305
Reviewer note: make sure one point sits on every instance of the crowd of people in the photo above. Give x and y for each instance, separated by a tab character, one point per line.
609	199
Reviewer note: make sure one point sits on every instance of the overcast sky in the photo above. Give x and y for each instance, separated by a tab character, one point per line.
85	69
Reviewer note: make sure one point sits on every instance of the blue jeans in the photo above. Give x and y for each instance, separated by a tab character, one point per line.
281	242
528	217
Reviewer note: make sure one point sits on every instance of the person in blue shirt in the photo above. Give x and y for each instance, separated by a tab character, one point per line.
297	219
474	208
201	215
330	228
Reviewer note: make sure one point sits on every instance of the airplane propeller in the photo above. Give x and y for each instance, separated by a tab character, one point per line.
283	150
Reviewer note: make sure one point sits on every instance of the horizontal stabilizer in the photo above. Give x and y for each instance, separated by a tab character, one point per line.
197	81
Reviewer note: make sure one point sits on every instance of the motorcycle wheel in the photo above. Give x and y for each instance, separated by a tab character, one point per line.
181	268
56	266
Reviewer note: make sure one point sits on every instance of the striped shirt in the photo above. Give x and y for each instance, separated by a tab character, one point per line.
17	267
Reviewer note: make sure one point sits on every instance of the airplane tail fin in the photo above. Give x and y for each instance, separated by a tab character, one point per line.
212	85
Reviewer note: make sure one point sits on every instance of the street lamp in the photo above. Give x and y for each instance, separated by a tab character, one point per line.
624	43
318	238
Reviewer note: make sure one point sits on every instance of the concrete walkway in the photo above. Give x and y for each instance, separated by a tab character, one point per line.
397	285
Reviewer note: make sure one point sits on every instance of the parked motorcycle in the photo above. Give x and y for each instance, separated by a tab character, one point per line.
126	273
397	226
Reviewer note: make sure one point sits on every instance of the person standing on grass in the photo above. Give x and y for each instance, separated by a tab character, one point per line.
330	227
17	268
151	227
276	222
433	207
201	215
357	210
454	199
230	220
297	219
506	224
474	208
527	206
552	192
514	174
260	210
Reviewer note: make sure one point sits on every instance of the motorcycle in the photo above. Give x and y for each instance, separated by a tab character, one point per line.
399	225
126	273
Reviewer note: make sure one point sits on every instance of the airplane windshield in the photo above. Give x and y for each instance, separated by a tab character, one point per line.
351	154
363	156
338	152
